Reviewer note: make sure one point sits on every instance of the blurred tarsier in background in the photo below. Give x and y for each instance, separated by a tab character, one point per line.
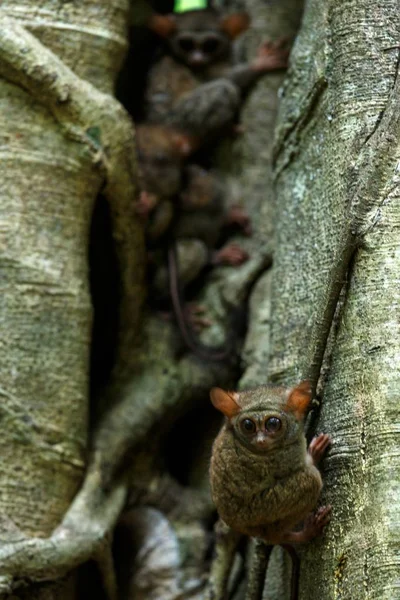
193	95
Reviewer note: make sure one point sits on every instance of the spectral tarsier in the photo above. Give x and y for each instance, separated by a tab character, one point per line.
161	154
198	211
193	219
195	87
201	216
264	481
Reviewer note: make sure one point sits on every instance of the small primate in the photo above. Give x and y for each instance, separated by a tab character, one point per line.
200	219
195	86
161	153
264	481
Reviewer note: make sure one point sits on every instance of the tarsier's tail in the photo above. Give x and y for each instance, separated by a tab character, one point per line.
204	352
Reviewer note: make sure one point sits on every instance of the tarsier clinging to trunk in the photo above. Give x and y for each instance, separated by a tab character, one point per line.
196	87
264	481
161	154
202	213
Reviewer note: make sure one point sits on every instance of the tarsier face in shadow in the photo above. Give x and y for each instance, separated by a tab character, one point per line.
161	152
200	38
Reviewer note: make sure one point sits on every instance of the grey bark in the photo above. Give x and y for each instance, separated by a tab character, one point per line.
63	138
336	157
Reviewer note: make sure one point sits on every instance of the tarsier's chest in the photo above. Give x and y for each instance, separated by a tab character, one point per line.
247	490
168	82
238	480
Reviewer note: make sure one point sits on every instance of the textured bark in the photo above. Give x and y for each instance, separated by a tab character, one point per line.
337	153
62	139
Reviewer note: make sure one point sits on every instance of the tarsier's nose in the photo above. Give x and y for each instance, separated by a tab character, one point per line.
197	57
261	439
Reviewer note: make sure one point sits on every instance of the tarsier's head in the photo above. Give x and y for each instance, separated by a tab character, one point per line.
199	38
161	152
267	417
202	186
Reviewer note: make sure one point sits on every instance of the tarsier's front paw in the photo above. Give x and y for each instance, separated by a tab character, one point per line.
195	315
318	446
271	56
232	255
315	523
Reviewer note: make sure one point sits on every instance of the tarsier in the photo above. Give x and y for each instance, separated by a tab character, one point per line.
202	214
195	87
198	212
264	481
161	153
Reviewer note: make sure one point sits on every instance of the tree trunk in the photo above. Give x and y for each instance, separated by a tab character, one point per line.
336	172
53	126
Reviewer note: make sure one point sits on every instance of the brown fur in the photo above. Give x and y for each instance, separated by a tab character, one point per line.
264	491
198	89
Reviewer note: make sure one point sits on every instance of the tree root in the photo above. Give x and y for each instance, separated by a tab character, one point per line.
375	168
227	541
149	561
81	535
99	122
258	571
164	388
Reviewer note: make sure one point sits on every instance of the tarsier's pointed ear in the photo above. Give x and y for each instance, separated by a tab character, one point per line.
163	25
234	25
226	402
299	399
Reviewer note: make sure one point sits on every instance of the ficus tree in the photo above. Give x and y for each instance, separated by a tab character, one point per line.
128	451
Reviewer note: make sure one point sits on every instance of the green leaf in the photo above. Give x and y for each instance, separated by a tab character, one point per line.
184	5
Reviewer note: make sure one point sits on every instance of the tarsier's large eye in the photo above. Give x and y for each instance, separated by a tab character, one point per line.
273	424
186	44
248	426
210	45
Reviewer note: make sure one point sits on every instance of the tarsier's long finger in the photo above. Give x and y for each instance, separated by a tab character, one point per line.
199	324
318	446
273	47
232	255
281	43
323	515
321	441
